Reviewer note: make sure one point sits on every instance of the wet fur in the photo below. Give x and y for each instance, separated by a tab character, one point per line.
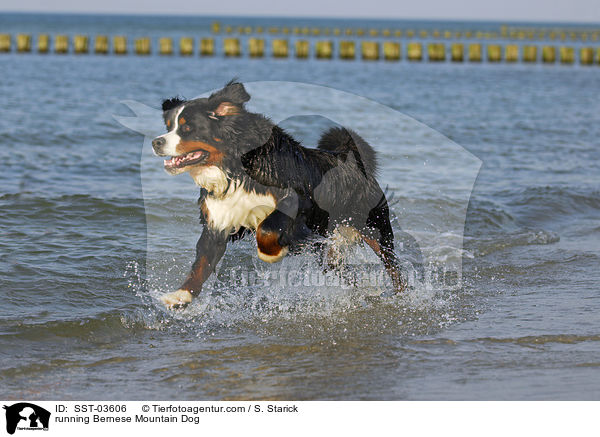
297	191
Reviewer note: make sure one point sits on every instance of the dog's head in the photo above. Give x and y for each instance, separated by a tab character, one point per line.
211	131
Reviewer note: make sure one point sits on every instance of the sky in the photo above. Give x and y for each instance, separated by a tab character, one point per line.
584	11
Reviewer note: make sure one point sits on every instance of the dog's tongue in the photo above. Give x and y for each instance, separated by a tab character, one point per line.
178	161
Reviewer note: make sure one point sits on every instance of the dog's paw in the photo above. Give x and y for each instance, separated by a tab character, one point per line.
176	299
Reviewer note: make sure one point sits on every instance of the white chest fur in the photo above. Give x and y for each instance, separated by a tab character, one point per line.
238	208
230	207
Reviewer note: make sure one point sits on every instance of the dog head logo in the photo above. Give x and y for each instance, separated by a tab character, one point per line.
26	416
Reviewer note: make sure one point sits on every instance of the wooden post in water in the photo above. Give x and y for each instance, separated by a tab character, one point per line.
256	47
101	45
165	46
369	50
280	48
5	43
549	54
81	44
186	46
302	49
586	56
475	52
436	52
324	49
232	47
414	51
347	50
207	47
61	44
457	52
391	51
494	53
529	53
120	45
215	27
23	43
142	46
511	53
43	43
567	55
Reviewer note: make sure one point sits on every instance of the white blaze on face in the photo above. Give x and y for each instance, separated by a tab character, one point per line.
171	137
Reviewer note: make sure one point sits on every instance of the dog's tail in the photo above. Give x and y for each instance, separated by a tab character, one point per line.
342	140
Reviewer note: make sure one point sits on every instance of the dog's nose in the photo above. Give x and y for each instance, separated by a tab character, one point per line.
157	144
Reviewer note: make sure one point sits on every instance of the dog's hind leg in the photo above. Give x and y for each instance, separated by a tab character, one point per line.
380	237
209	251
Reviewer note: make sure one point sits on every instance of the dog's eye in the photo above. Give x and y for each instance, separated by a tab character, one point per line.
186	128
211	114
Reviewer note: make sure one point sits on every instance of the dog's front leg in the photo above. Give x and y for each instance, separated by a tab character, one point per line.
209	250
281	229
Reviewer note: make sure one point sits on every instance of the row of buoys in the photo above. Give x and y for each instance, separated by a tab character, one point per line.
280	48
504	33
81	44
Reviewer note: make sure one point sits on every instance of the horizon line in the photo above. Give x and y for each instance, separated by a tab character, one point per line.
326	17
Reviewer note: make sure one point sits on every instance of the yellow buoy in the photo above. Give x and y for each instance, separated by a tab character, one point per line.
215	27
256	47
232	47
324	49
207	47
370	50
81	44
457	52
5	43
186	46
414	51
142	46
302	49
43	43
567	55
549	54
165	46
61	44
586	56
511	53
120	45
347	50
475	52
529	53
23	43
101	45
280	48
494	52
436	52
391	51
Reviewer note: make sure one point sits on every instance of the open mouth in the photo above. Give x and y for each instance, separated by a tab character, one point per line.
190	158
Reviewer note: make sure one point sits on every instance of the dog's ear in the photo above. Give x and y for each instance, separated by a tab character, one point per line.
171	103
234	92
227	108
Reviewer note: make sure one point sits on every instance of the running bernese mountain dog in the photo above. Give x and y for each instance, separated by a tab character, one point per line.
256	179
